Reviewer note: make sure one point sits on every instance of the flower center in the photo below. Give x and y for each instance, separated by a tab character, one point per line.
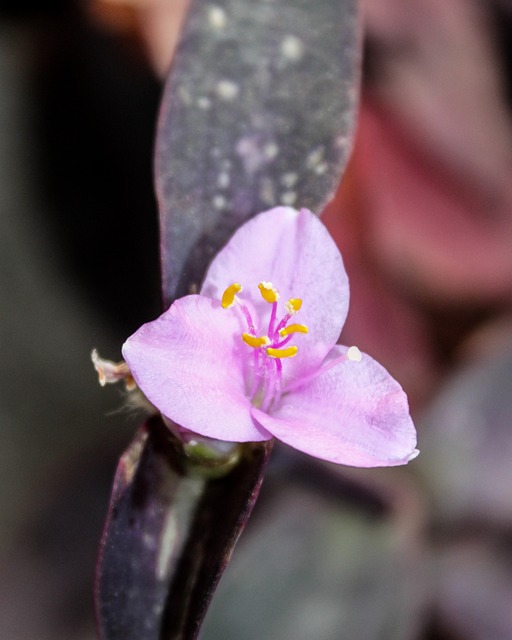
269	349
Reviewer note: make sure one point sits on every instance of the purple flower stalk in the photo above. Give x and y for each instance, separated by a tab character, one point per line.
254	355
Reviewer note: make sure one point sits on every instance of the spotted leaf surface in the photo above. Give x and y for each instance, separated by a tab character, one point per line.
258	111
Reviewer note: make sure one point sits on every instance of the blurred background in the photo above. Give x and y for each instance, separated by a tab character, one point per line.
424	220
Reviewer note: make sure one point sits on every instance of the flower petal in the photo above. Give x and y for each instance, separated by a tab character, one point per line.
294	251
352	413
188	364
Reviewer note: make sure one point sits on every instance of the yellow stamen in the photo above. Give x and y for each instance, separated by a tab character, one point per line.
228	297
254	341
289	352
268	292
354	354
293	305
293	328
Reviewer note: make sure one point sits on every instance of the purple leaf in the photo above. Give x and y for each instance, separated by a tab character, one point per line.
168	537
258	111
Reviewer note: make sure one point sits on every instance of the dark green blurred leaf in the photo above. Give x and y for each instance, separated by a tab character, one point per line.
323	561
466	445
474	589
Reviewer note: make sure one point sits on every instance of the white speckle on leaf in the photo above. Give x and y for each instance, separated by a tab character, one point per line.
315	157
315	161
288	198
227	90
217	17
255	152
289	179
184	95
267	193
342	141
292	48
271	150
223	180
204	103
219	201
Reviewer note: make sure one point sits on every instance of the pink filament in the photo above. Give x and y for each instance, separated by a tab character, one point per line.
272	321
267	371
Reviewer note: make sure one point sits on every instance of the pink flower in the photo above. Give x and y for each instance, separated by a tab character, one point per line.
254	356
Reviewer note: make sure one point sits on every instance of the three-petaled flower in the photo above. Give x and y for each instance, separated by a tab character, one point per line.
254	355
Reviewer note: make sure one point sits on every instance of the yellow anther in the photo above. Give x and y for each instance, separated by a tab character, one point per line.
293	328
254	341
293	305
228	297
289	352
268	292
354	354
